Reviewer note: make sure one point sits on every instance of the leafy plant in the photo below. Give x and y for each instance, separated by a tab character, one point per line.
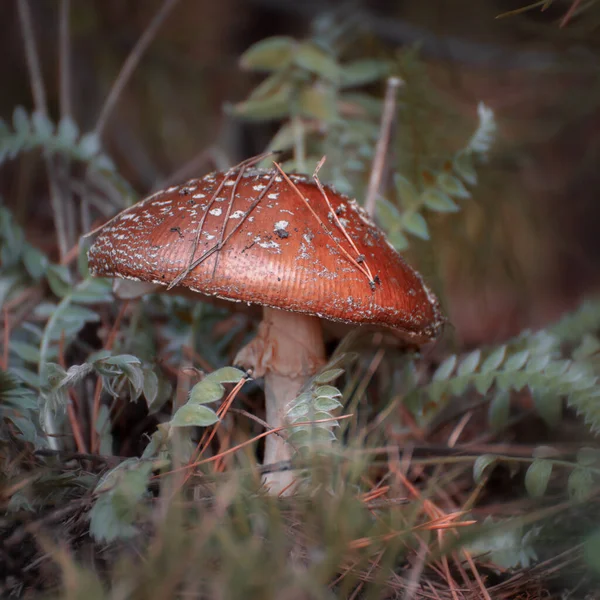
312	90
310	414
437	191
37	131
532	361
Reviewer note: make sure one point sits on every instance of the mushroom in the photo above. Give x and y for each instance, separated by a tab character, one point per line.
300	250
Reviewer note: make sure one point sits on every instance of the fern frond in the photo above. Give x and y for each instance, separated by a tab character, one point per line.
530	361
316	403
483	138
575	325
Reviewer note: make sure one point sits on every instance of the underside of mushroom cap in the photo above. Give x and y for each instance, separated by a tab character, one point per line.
251	237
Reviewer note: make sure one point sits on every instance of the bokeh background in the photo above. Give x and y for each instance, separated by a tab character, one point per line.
526	246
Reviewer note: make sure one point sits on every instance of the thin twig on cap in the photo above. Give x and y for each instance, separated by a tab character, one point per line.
192	264
342	249
336	218
234	188
387	119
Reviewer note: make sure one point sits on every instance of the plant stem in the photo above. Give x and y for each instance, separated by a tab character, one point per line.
64	62
132	62
39	98
387	118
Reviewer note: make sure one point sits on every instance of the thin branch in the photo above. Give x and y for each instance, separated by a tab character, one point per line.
570	13
31	55
228	213
359	257
387	119
64	60
39	97
132	62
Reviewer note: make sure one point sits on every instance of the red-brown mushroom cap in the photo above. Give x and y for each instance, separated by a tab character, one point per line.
274	251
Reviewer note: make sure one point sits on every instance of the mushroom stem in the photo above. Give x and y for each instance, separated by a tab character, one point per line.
287	350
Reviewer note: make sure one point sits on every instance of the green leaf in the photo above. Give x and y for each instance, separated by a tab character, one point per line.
438	201
414	223
270	54
318	102
42	125
483	466
557	368
28	377
27	352
226	375
458	385
79	315
591	551
387	213
121	360
25	426
516	361
398	240
444	371
68	132
549	406
89	146
469	363
119	494
537	477
283	140
314	59
20	121
327	391
537	363
463	166
34	261
309	435
328	376
206	391
406	191
298	411
588	457
436	390
362	72
452	186
589	346
580	484
274	106
150	386
103	429
483	382
499	410
194	415
324	403
483	137
59	280
92	291
323	416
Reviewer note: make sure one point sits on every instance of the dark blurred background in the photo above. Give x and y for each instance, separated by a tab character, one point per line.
526	246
